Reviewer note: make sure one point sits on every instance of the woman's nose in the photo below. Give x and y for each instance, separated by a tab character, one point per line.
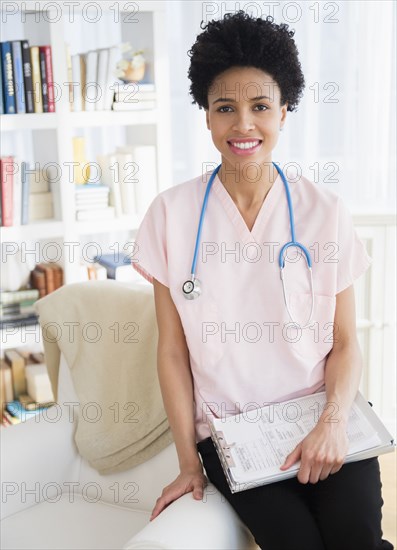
243	122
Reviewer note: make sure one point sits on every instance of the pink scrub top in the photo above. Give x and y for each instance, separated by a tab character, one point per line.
245	352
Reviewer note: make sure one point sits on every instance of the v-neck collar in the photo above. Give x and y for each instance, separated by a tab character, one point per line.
235	215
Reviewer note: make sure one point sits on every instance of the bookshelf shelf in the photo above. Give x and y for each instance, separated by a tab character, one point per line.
32	121
96	119
47	138
33	231
124	223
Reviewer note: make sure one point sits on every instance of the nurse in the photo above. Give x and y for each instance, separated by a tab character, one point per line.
243	342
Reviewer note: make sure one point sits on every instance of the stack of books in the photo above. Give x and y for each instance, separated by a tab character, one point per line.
27	81
92	202
46	277
17	307
134	97
25	386
92	79
131	174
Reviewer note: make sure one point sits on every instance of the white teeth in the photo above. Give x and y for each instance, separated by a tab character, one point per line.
246	145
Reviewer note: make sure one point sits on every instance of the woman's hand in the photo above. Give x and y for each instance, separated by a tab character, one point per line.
187	481
322	452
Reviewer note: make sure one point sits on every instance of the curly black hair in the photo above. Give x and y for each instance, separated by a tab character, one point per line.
245	41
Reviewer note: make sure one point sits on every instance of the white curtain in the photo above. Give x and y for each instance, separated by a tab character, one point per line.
343	135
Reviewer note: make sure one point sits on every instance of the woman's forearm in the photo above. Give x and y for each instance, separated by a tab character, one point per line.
177	390
342	379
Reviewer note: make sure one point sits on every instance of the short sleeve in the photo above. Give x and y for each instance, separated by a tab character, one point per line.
150	250
353	259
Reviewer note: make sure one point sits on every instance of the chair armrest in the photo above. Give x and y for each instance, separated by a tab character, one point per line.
37	457
188	524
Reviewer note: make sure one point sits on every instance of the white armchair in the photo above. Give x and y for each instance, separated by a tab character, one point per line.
52	498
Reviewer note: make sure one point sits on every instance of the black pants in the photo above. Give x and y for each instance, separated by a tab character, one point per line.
341	512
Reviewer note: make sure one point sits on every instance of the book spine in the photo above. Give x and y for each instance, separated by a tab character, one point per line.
83	72
91	91
49	276
44	82
17	364
18	76
111	79
1	88
27	76
37	90
17	194
8	79
76	83
70	75
25	194
103	57
6	180
16	296
46	50
37	281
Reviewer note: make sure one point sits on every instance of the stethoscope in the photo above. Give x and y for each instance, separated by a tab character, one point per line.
192	287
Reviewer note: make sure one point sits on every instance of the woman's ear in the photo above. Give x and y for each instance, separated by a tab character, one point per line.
207	119
283	114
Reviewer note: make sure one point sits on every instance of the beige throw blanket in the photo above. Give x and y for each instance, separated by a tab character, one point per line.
108	334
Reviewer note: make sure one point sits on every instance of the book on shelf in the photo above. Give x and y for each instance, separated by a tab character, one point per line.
26	195
38	383
252	445
7	389
7	187
17	364
17	68
107	166
47	79
137	176
91	61
106	213
139	106
36	76
118	266
10	106
92	271
134	92
102	70
27	76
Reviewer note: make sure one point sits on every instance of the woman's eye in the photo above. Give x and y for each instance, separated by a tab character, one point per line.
220	110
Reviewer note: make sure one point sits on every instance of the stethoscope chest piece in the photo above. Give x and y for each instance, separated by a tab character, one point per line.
191	289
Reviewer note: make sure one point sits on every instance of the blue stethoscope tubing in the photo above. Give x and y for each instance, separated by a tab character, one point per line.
192	287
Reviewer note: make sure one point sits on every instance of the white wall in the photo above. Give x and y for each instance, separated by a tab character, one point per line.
347	48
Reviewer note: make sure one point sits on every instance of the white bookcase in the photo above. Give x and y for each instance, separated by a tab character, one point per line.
48	137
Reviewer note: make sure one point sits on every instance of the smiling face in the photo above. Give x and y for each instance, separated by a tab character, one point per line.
244	116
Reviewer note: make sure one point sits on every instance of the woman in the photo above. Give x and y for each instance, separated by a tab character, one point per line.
237	344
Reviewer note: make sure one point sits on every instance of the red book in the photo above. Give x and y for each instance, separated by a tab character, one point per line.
7	167
50	77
